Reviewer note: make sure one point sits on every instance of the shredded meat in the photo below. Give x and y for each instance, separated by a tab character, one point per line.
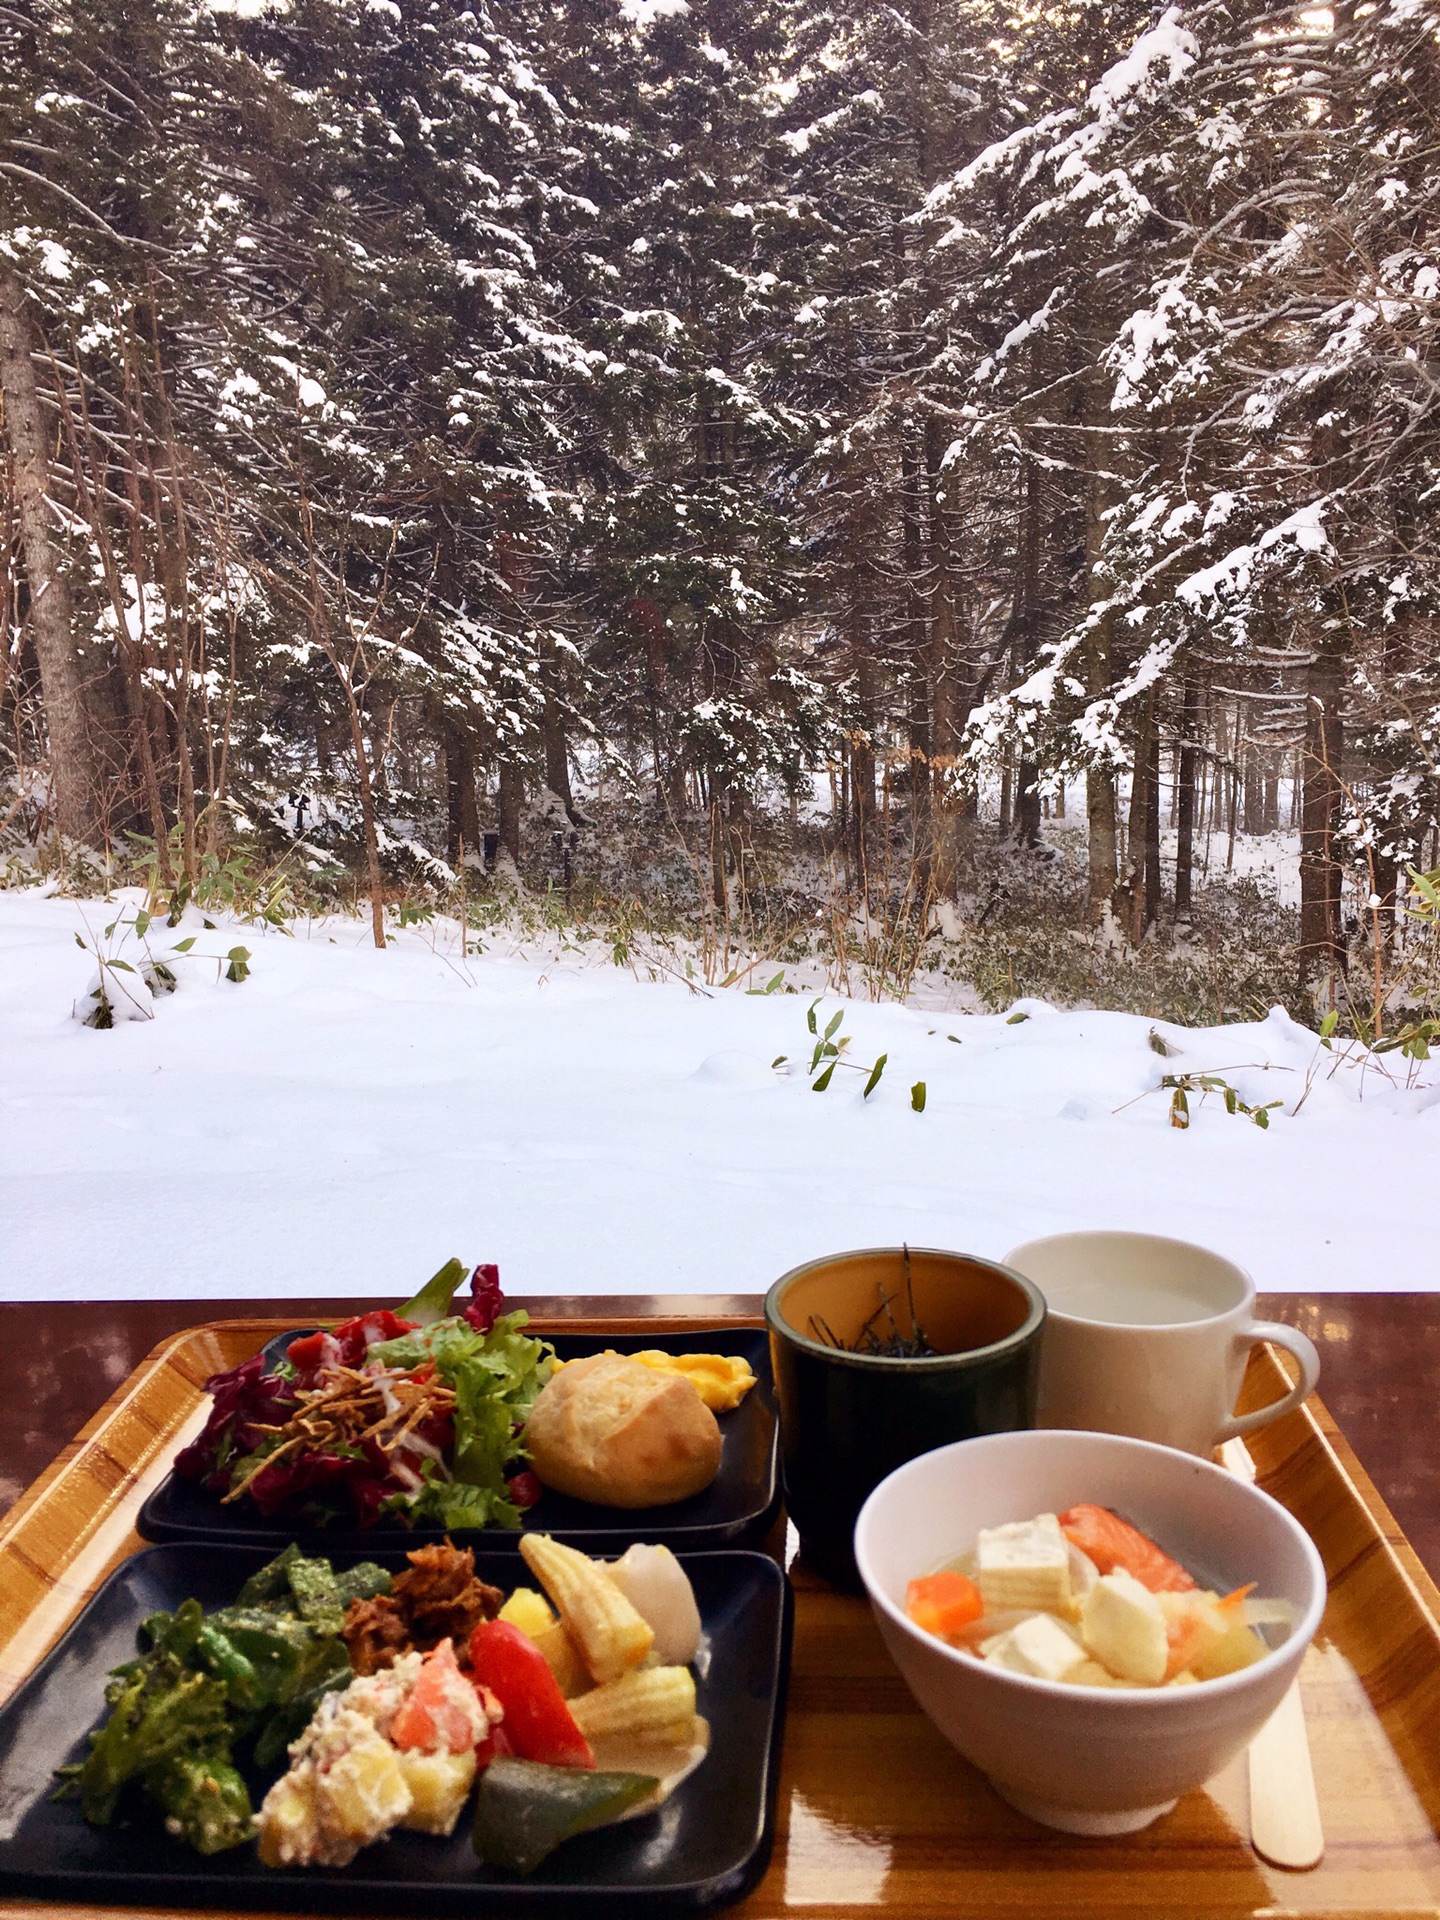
375	1632
442	1596
437	1598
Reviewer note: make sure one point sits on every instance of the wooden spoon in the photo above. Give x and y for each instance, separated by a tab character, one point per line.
1285	1824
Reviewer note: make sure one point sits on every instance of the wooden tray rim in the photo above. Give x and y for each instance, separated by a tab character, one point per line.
93	1549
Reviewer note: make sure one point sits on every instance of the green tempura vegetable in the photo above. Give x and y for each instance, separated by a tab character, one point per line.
324	1667
285	1630
159	1711
317	1594
249	1673
203	1799
525	1809
272	1582
293	1583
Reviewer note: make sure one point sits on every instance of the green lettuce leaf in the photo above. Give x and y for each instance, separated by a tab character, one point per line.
454	1504
496	1377
432	1302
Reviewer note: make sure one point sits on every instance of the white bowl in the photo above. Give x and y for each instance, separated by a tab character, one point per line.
1087	1759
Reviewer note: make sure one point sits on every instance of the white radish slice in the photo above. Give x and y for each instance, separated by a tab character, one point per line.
657	1586
1268	1613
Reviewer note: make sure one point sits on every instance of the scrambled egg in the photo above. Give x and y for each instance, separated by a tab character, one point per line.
721	1380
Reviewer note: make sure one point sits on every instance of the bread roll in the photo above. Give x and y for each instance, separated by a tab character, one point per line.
610	1430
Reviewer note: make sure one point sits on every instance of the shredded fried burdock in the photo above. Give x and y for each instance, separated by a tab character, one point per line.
350	1409
437	1598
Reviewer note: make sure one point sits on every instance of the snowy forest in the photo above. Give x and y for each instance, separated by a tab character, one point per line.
922	468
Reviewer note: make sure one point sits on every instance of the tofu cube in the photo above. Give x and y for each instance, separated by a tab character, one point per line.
1024	1565
1124	1629
1039	1646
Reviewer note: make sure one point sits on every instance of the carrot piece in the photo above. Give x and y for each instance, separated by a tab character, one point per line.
943	1603
1112	1542
1183	1638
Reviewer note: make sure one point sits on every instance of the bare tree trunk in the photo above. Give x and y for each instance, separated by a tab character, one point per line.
668	763
1142	794
74	762
719	863
321	631
947	713
917	660
1233	789
367	820
1027	777
1385	881
552	728
1151	892
512	800
88	467
1099	781
463	816
1100	817
1185	799
1270	805
862	748
1254	790
1322	949
175	577
1143	838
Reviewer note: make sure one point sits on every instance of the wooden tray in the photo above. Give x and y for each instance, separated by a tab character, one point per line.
876	1811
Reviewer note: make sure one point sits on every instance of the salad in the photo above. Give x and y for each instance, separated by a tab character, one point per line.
417	1415
572	1703
1085	1598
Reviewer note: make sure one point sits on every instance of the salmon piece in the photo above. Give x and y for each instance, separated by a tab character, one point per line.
1112	1542
432	1719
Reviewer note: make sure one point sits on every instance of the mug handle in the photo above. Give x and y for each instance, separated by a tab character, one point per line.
1303	1348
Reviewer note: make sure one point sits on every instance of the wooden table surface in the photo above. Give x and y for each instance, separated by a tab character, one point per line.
1380	1373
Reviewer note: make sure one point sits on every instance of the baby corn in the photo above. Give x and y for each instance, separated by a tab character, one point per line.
606	1628
648	1701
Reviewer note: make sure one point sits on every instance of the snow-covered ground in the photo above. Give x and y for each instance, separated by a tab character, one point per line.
346	1120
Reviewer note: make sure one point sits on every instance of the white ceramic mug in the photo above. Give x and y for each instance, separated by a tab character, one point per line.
1149	1337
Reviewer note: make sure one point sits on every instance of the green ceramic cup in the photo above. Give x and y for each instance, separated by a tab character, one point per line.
848	1419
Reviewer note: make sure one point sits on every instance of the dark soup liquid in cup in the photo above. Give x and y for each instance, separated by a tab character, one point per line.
885	1354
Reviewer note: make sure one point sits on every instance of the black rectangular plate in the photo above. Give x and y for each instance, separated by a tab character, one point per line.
708	1845
736	1509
